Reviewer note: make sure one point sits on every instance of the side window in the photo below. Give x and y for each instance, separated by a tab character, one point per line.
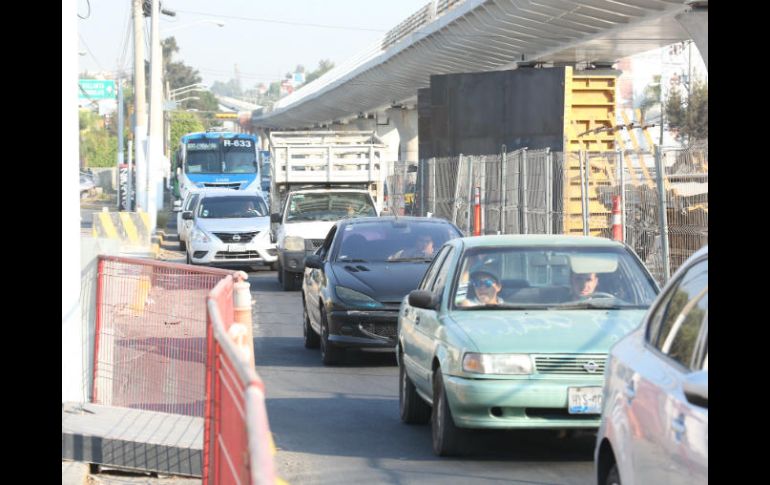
441	274
685	312
430	274
191	202
324	249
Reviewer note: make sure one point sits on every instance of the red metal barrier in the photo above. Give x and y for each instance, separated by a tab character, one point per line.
237	444
476	211
150	341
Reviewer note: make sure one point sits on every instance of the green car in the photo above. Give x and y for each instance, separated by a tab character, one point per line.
512	332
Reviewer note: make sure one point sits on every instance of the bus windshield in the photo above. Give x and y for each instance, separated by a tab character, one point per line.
221	156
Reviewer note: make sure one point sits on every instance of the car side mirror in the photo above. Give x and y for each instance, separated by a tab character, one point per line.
187	215
423	299
314	261
696	388
275	218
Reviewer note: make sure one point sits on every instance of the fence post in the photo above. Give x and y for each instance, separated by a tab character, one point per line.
583	191
663	217
621	164
549	190
503	175
470	193
242	310
433	185
523	192
457	189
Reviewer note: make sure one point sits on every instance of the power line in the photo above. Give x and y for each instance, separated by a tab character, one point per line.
283	22
99	64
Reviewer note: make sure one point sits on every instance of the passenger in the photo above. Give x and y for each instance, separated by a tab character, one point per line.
485	285
583	285
423	248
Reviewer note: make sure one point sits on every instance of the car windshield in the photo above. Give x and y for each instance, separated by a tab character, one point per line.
329	206
394	241
552	278
232	207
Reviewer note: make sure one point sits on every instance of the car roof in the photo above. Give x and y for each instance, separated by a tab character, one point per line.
220	192
524	240
386	219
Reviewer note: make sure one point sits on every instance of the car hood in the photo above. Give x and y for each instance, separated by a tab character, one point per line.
245	224
309	230
546	331
385	282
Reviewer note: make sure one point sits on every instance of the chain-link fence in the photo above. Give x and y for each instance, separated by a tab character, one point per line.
544	192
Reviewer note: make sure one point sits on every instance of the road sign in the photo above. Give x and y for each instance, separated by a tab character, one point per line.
95	89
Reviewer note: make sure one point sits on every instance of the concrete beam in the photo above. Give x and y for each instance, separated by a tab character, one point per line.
696	22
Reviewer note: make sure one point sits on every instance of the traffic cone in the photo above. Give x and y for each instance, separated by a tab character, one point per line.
617	224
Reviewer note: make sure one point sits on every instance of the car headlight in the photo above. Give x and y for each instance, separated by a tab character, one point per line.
497	363
294	243
198	235
356	298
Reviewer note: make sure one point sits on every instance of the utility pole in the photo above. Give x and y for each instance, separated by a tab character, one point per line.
154	143
120	130
140	113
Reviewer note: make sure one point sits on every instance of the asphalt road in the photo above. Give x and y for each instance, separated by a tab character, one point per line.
340	424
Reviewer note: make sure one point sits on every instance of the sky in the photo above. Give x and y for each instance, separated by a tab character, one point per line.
264	50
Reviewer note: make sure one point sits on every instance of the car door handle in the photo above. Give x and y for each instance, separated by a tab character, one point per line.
417	319
677	425
629	391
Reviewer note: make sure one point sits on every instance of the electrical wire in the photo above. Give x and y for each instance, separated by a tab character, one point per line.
282	22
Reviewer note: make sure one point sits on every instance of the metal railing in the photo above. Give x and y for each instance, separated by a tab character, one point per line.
150	335
237	442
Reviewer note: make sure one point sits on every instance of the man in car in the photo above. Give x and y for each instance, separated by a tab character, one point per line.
583	285
423	248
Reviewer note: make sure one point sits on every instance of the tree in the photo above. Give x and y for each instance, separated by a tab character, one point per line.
181	124
324	65
651	96
690	120
98	148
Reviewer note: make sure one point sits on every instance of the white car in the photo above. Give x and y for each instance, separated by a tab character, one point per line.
183	227
654	427
230	229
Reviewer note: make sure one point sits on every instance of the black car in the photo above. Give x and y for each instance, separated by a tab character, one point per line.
354	283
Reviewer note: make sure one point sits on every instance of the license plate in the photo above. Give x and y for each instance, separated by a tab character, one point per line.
236	248
585	400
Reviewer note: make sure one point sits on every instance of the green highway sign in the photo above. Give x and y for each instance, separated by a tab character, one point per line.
97	89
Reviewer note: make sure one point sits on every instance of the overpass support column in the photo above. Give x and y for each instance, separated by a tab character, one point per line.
263	142
405	121
696	22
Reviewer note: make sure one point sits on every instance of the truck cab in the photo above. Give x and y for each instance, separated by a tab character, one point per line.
305	220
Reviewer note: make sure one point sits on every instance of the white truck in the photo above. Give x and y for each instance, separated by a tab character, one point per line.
317	179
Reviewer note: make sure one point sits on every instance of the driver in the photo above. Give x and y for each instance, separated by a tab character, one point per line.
583	285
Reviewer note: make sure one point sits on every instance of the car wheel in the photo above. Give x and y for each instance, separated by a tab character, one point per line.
330	354
288	281
311	338
411	406
613	477
447	438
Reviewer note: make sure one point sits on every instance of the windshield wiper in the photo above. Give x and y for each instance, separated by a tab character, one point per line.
592	304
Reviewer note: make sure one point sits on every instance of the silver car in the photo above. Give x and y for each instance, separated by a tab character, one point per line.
230	229
654	425
183	227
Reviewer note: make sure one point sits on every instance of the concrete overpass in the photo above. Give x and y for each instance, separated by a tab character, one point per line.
377	89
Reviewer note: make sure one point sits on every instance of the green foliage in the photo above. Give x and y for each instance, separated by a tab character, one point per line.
691	119
98	147
651	96
231	88
324	65
181	124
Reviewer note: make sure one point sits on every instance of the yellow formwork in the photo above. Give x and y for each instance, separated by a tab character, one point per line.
589	111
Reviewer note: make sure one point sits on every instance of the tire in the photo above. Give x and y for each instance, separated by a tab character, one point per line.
311	338
613	477
330	354
288	281
412	408
447	438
